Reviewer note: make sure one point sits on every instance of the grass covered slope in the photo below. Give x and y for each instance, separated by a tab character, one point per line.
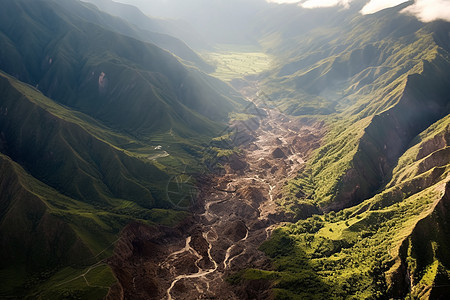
89	144
423	101
54	146
43	231
382	172
67	190
376	95
125	83
390	245
93	125
165	33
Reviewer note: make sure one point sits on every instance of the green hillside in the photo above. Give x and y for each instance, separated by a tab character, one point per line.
93	125
380	83
160	31
366	251
376	94
123	82
71	195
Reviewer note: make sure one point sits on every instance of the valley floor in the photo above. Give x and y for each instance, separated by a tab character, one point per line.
236	213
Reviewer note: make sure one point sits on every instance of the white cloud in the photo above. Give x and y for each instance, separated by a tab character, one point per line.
376	5
371	7
424	10
430	10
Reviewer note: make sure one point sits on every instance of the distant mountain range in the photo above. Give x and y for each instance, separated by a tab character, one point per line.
181	29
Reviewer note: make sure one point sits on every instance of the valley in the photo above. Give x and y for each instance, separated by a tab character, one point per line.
238	62
236	211
239	149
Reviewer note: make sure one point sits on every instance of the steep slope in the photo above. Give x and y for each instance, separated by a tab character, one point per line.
89	138
40	136
381	174
35	236
128	25
218	22
424	100
394	244
98	71
134	23
126	115
378	90
67	189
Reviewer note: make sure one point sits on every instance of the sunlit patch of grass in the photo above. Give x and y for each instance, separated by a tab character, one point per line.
238	63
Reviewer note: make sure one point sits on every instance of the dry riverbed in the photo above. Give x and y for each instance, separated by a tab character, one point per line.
236	212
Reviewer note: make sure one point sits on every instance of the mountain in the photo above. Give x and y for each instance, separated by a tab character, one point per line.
381	175
93	125
134	23
178	28
374	83
100	77
218	22
64	190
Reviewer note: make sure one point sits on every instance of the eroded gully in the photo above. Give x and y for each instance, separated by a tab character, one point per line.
240	208
237	212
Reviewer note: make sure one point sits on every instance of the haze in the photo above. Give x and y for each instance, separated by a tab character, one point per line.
424	10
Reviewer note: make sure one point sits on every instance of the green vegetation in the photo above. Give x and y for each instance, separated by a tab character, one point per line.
238	63
370	89
99	128
356	252
381	171
128	85
90	283
160	32
85	234
94	124
106	181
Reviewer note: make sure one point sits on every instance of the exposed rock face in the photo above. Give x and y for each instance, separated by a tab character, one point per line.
254	289
237	163
136	258
422	240
423	102
235	231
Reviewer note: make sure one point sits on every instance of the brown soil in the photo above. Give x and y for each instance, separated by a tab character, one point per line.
237	211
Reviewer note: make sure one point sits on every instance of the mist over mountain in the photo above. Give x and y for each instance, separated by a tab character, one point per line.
173	27
223	22
243	149
230	21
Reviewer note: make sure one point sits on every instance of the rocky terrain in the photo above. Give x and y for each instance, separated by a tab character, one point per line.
236	212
